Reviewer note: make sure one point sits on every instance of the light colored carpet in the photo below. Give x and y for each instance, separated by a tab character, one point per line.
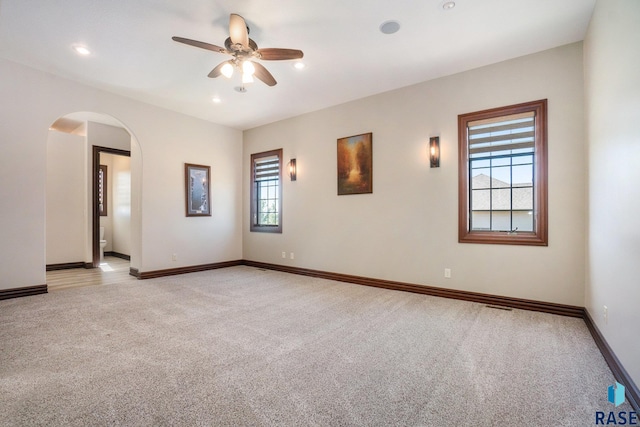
244	346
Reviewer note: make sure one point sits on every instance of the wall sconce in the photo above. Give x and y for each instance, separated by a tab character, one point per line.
293	172
434	151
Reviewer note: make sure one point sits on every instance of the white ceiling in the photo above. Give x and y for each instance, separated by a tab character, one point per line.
347	56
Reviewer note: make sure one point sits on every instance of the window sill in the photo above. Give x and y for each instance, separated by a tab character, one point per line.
266	228
503	238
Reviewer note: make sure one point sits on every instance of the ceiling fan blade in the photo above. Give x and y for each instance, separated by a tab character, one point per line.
201	45
217	71
264	75
238	30
274	54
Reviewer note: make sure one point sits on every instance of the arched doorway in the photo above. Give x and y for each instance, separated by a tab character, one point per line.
75	145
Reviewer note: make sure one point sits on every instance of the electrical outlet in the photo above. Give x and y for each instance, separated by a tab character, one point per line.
605	314
284	254
447	273
174	257
291	255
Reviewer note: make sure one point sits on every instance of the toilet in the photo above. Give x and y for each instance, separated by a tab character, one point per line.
103	244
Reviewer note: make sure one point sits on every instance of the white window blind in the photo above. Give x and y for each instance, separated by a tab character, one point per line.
506	133
266	168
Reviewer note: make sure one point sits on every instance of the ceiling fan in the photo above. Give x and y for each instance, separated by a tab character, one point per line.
244	51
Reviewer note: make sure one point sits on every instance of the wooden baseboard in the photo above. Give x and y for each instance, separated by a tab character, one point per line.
23	292
134	272
118	255
621	374
183	270
65	266
546	307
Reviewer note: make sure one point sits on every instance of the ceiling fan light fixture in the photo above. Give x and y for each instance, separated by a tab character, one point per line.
248	68
299	65
227	70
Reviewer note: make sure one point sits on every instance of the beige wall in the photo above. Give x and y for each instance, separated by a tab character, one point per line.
65	198
166	141
612	88
407	229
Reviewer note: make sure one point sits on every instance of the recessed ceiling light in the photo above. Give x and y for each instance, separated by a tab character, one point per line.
299	65
389	27
448	5
216	100
81	50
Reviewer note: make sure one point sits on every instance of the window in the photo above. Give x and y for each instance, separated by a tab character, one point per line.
503	175
102	190
266	191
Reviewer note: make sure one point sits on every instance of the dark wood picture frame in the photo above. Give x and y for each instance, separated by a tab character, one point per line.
355	164
197	180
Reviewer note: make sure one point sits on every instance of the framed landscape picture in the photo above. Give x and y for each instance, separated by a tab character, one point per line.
197	189
355	164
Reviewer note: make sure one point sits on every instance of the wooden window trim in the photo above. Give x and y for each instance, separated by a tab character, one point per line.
253	226
540	236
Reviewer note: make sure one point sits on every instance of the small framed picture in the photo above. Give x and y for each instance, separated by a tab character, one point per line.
355	164
198	194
